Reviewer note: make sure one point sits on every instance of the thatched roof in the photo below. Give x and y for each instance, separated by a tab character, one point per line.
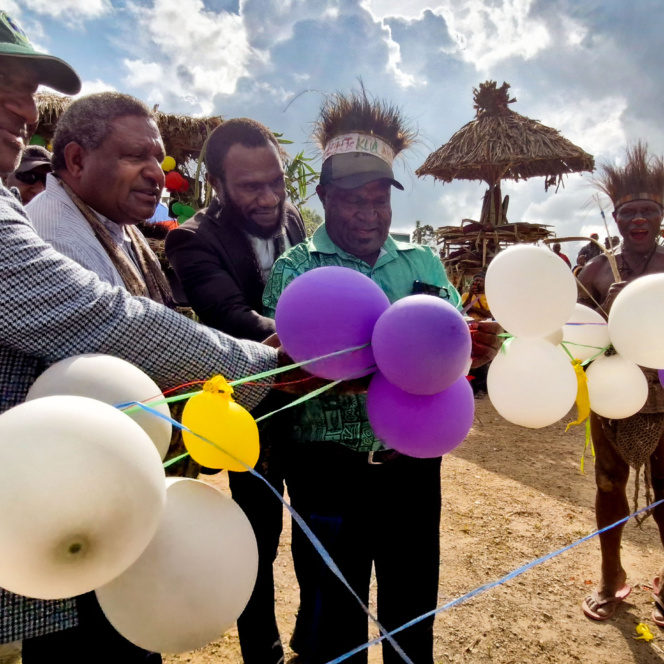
183	135
500	143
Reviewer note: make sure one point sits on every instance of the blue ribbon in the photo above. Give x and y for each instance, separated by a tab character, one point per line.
327	559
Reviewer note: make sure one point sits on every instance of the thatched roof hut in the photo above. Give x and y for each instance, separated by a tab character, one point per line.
501	144
498	144
183	135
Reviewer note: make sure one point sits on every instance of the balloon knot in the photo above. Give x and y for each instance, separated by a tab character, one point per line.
218	385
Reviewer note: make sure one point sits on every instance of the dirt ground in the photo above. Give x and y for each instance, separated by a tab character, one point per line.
511	495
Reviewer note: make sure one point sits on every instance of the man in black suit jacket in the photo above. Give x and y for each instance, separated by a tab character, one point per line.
222	258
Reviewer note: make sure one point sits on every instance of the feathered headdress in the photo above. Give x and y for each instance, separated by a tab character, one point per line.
360	137
641	178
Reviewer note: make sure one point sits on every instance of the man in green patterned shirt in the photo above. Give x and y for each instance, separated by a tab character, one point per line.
368	505
395	267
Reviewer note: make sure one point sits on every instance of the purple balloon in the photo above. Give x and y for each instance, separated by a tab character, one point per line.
420	425
326	310
660	373
422	344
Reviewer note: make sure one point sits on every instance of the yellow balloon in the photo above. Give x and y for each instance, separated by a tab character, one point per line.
215	416
168	164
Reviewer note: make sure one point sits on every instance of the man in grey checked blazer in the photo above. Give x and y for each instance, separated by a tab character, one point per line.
51	308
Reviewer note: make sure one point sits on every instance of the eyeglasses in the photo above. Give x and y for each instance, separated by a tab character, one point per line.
31	177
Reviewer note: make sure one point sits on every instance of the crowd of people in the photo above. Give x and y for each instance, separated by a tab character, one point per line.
79	277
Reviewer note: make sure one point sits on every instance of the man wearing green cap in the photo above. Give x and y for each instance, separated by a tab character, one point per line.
367	504
52	308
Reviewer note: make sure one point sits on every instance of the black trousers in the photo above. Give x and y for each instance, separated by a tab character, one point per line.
93	640
257	626
387	515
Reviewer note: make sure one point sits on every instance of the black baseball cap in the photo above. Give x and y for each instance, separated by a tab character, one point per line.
355	169
52	71
33	157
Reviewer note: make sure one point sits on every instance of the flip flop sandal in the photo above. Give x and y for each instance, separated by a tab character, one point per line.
658	611
611	603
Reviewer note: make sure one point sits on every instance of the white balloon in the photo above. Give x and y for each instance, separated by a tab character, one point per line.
586	332
636	321
113	381
616	386
530	290
555	338
533	383
81	495
195	577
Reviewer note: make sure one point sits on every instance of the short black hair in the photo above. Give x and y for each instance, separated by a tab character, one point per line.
88	121
245	131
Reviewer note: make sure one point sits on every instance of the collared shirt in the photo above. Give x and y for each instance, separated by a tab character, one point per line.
266	252
59	222
343	418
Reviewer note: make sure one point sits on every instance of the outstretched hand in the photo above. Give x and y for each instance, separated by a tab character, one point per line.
296	381
486	342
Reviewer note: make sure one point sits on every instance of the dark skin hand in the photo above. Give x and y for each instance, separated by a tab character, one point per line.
485	346
299	382
486	342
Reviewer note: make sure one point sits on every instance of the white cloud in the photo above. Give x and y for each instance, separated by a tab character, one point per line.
69	10
192	54
496	31
91	87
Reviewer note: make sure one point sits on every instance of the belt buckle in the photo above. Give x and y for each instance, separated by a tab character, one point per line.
371	462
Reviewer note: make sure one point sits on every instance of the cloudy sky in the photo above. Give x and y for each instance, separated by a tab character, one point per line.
590	68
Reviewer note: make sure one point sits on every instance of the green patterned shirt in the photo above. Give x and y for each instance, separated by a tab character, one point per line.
343	418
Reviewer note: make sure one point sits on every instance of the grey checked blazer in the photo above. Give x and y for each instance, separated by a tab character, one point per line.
51	308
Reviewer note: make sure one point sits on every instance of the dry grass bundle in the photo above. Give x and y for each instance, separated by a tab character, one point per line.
500	143
642	174
356	112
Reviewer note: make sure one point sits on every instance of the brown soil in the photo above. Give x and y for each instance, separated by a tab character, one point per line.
511	495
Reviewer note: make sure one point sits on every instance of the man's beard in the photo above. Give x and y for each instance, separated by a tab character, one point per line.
249	226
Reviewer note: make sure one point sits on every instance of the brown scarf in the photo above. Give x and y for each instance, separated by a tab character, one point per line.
150	281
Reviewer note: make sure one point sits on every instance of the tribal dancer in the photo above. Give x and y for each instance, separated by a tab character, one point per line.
637	193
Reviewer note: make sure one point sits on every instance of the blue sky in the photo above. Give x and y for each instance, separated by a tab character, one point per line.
590	68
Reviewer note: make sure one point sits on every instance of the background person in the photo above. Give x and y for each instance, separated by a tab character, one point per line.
29	179
222	258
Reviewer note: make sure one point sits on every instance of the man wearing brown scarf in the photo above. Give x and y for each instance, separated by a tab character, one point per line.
107	154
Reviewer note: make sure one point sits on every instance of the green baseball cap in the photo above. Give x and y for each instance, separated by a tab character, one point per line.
53	72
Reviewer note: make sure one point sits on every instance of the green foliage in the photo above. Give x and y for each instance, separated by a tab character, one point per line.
312	220
299	175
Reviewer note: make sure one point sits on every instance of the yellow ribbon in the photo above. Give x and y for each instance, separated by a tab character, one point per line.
582	408
644	633
582	398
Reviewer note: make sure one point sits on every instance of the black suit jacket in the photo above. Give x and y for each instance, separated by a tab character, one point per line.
219	273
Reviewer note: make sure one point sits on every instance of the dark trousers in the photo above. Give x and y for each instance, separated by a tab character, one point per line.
387	515
93	640
257	626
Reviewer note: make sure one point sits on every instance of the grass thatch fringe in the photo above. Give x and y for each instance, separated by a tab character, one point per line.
183	135
501	144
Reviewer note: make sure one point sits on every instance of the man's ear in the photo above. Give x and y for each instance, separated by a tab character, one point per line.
321	193
74	159
216	184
